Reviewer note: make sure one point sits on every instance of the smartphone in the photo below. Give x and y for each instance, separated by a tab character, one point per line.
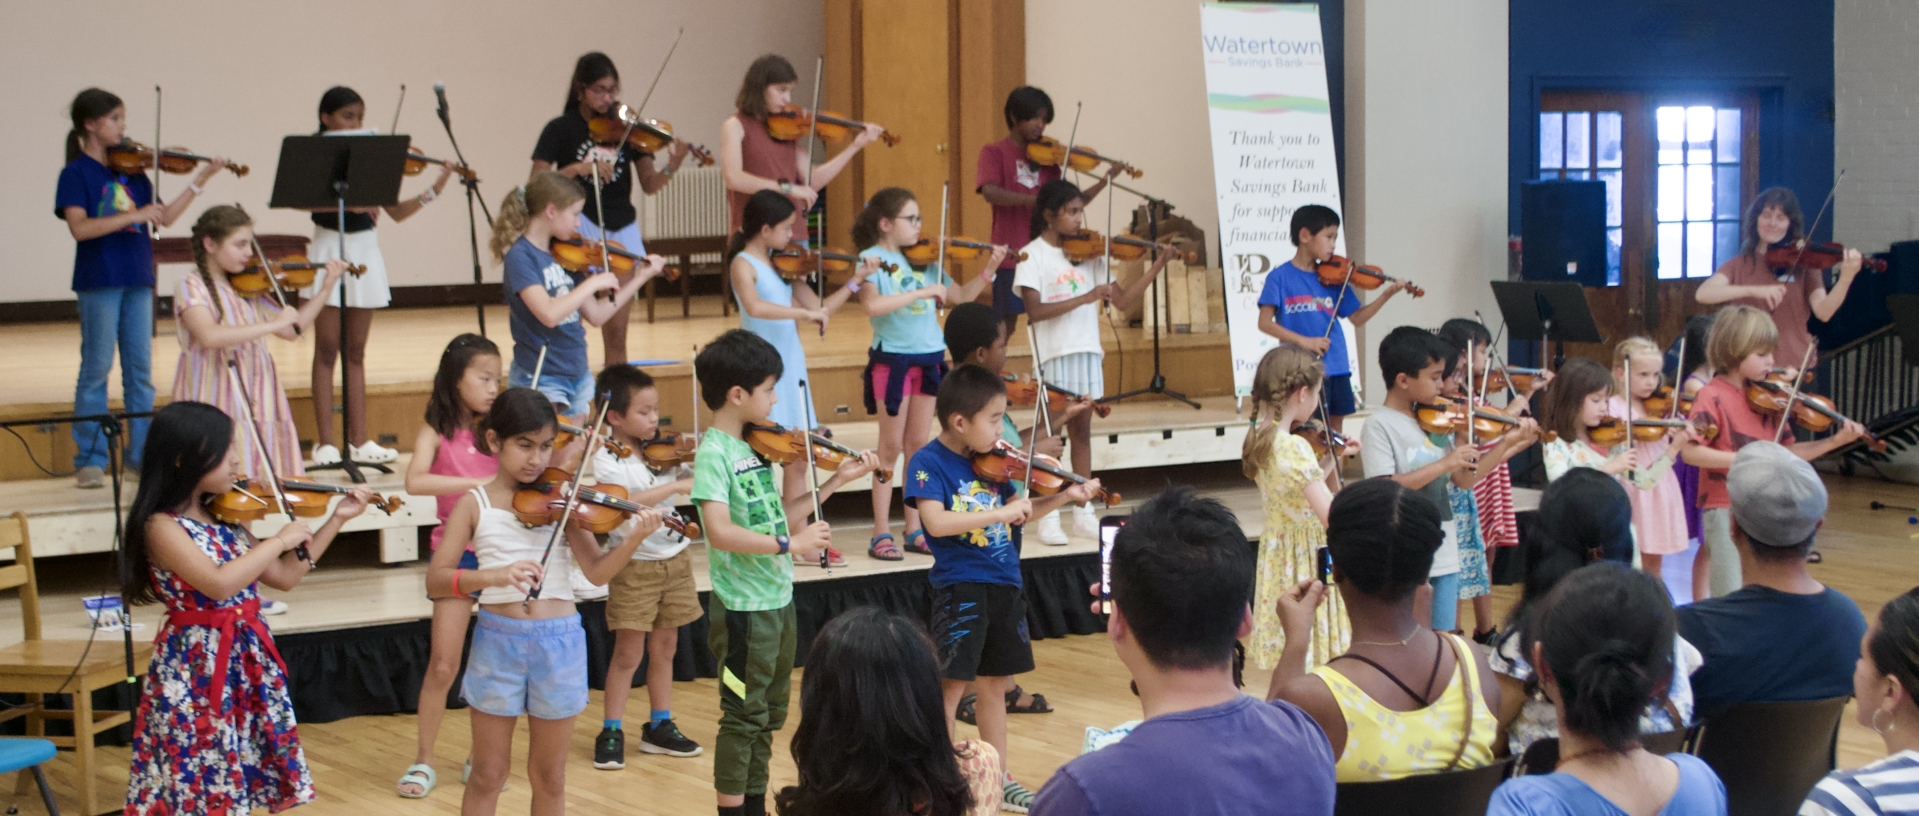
1108	532
1325	558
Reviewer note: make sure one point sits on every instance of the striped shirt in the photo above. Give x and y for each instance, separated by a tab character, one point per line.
1889	787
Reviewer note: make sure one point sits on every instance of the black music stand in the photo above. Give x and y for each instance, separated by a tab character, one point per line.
1547	312
1905	323
1158	384
317	172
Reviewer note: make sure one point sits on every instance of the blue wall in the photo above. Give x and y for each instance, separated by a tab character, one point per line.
1781	48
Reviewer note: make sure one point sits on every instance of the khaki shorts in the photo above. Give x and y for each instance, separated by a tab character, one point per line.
652	595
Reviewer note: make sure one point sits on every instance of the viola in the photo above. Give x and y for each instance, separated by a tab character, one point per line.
644	135
1005	463
132	157
782	445
567	433
1801	254
792	122
669	450
241	505
417	163
1810	411
290	272
1340	270
1324	441
585	255
1050	152
959	249
1086	245
601	509
1024	390
797	261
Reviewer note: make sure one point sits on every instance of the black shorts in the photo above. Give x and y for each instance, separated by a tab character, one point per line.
1006	301
980	631
1339	395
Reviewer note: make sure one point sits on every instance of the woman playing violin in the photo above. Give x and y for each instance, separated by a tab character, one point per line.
1790	295
343	111
567	145
112	217
1296	308
753	160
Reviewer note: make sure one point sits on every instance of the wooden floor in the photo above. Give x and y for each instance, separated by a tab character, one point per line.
1869	556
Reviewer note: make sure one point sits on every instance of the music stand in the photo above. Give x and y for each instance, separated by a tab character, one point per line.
1547	312
317	172
1158	384
1905	323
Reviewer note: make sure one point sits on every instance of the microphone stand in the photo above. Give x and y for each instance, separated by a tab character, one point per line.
1158	384
472	185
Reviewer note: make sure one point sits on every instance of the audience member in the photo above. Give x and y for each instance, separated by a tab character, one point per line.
1182	586
1883	684
1783	636
1603	642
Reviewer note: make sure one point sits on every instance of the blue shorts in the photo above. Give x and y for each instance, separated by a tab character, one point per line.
1445	602
1005	300
1338	391
628	236
572	397
531	667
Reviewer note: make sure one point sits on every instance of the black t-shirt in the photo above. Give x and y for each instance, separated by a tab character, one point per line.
566	140
355	221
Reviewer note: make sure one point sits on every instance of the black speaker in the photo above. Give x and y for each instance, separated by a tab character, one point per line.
1902	263
1562	226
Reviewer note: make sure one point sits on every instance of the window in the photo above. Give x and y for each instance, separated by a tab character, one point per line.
1697	189
1586	145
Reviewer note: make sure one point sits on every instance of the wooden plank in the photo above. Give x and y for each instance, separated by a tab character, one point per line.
1178	297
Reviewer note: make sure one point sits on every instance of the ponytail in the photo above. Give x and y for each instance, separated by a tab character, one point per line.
887	203
766	208
87	106
217	223
547	188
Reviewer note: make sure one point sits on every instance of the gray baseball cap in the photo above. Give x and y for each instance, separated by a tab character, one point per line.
1777	497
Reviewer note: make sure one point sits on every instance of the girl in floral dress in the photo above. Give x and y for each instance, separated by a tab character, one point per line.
1293	486
214	732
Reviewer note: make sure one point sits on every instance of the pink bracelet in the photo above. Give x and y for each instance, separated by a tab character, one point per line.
456	583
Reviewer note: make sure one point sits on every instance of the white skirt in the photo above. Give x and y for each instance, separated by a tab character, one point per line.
368	291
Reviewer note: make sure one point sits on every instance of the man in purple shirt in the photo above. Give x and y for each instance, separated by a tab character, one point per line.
1182	580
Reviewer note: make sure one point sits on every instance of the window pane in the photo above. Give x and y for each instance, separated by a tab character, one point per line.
1699	122
1551	140
1672	133
1549	175
1699	192
1726	192
1671	193
1578	139
1699	250
1615	213
1726	243
1729	146
1670	251
1614	239
1608	147
1581	175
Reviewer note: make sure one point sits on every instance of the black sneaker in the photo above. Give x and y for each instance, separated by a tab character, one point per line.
665	738
609	749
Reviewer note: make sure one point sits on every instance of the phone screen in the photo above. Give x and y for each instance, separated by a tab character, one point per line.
1108	531
1325	558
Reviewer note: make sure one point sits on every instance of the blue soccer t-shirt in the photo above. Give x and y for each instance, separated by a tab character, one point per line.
988	555
1305	306
123	257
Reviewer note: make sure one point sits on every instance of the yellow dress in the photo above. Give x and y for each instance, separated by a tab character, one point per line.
1288	551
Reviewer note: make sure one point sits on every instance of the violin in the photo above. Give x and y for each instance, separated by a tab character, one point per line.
567	433
1340	270
1005	463
669	450
1801	254
601	509
1653	430
1324	441
584	256
779	444
644	135
132	157
1810	411
1086	245
1050	152
795	261
959	249
1024	390
792	122
290	272
305	499
1518	379
417	163
1448	416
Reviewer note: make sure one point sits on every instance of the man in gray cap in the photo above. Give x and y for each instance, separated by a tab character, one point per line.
1783	636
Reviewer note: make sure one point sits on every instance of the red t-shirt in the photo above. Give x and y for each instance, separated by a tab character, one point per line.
1793	311
1738	423
1004	165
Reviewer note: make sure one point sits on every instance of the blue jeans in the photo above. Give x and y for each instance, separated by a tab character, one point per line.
115	317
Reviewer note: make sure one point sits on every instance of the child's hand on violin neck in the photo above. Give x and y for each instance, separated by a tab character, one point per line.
1084	491
867	462
355	503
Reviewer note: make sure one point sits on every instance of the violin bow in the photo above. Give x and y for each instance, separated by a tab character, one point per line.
1679	379
694	363
266	455
606	261
396	110
812	135
812	471
1792	395
939	258
656	78
1041	416
1492	354
266	267
1806	240
572	499
537	366
153	229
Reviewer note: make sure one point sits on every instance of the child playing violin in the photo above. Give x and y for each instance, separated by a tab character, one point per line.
217	324
112	217
1659	519
1485	513
1580	400
908	358
753	161
1692	374
567	146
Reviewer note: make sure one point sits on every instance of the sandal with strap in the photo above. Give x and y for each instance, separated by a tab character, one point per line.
967	711
916	542
420	774
1038	706
883	548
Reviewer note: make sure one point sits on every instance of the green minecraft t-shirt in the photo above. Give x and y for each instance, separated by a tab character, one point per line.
726	470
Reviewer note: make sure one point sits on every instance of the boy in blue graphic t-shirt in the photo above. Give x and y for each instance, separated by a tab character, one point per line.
1299	310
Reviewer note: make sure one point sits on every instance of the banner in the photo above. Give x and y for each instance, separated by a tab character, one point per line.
1272	129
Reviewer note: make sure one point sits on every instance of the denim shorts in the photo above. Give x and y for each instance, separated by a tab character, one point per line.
531	667
573	397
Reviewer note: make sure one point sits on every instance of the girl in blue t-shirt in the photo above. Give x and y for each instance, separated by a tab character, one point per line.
545	302
908	356
112	216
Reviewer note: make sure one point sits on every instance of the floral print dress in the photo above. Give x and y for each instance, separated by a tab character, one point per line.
1288	553
207	746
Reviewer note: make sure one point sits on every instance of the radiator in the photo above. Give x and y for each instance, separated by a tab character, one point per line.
692	205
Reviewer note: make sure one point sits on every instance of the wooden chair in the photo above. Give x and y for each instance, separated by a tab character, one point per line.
681	251
1769	755
1454	793
38	667
1542	756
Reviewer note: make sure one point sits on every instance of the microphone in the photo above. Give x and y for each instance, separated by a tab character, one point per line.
439	90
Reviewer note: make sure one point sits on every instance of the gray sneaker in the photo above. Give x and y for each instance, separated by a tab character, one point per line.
90	477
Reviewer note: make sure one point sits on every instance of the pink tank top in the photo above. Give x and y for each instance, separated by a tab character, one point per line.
764	156
458	456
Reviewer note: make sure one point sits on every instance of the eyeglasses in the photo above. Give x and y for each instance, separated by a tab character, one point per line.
911	219
603	90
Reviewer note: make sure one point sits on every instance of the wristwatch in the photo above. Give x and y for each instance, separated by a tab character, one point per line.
786	188
783	541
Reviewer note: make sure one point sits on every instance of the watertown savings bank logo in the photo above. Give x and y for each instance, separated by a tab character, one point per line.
1250	266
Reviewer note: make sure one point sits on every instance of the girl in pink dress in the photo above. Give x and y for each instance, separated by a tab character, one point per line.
1658	505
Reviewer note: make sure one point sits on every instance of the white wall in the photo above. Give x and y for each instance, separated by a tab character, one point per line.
238	76
1877	138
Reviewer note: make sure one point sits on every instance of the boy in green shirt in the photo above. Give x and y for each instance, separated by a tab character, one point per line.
750	611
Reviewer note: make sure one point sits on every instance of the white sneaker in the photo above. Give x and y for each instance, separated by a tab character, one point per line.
326	455
268	606
1049	531
1085	524
373	453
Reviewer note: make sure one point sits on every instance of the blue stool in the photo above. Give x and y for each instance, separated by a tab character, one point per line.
18	754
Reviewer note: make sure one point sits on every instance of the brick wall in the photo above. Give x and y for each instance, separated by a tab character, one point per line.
1876	85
